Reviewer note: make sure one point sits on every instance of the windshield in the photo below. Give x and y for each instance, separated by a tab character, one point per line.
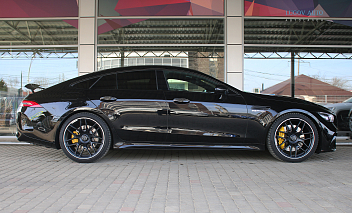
348	100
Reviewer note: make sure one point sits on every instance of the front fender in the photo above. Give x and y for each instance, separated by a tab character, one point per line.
327	131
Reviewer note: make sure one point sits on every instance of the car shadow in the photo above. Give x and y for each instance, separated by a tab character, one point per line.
149	155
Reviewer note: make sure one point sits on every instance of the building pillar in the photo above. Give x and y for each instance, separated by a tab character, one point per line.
86	37
234	43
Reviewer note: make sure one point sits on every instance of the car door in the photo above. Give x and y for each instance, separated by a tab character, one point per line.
203	110
134	105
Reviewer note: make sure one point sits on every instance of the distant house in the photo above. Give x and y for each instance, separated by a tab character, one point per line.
310	89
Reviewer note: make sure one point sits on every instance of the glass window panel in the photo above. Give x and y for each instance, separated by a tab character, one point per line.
161	31
85	84
316	78
39	9
160	8
140	80
181	81
297	31
43	66
209	60
105	82
48	32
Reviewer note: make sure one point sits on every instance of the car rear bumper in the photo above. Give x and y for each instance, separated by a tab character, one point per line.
31	138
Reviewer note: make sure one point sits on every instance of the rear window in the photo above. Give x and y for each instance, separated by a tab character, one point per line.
105	82
138	80
85	84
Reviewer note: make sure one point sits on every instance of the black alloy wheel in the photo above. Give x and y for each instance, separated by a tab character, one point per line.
292	138
85	137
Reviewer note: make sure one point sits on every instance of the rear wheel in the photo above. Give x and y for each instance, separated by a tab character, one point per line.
85	137
292	138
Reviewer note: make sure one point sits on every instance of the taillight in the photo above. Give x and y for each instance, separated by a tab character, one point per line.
27	103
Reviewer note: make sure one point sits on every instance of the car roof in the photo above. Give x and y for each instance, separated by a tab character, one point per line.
130	68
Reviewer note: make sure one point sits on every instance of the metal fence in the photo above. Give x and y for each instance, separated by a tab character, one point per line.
331	99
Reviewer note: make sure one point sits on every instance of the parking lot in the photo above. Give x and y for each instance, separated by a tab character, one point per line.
38	179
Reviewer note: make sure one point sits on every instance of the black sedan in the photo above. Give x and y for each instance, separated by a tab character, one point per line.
160	106
342	111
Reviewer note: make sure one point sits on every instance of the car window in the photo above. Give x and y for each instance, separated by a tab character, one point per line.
348	100
85	84
105	82
192	82
138	80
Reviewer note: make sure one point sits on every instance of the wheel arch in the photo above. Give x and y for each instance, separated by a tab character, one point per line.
312	117
97	112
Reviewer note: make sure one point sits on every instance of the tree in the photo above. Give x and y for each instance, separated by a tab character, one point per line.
12	82
335	81
3	85
341	83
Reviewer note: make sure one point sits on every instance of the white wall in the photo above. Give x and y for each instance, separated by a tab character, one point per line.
234	43
86	37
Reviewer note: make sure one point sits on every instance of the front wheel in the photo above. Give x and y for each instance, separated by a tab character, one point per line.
293	138
85	137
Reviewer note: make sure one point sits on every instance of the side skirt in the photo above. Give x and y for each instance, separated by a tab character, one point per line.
183	146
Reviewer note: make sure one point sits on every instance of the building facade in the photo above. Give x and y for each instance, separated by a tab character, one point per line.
49	41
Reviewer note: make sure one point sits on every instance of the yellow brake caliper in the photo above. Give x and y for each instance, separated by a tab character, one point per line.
282	135
74	140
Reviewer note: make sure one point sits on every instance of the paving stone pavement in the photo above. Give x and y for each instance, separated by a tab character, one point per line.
39	179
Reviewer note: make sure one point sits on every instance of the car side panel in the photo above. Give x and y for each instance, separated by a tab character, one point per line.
209	118
137	115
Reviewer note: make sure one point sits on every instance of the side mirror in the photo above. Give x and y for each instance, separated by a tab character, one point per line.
222	91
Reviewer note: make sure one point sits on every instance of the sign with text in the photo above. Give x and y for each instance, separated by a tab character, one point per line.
299	8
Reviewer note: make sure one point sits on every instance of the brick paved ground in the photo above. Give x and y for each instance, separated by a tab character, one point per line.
38	179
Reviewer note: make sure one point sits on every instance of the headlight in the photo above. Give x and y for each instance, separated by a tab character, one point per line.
327	116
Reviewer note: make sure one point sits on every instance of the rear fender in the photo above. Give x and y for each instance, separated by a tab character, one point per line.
64	117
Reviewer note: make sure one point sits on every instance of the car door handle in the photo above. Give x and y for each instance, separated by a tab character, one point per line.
181	100
108	99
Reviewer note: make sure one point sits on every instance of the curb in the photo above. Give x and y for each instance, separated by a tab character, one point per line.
15	143
8	139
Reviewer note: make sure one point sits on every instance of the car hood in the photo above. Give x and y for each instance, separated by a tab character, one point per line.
339	106
290	103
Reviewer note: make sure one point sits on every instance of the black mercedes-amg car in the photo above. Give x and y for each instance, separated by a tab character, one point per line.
170	107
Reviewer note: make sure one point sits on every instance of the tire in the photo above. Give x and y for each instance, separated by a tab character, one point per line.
292	137
85	137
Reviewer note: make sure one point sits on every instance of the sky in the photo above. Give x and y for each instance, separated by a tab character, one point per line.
39	69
